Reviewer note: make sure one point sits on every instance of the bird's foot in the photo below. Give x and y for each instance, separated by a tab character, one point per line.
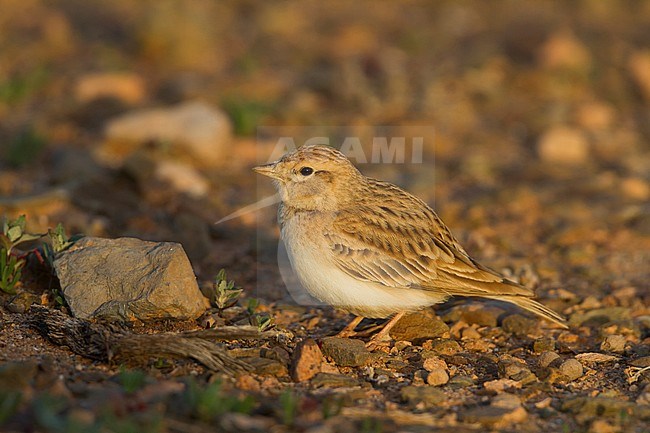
349	331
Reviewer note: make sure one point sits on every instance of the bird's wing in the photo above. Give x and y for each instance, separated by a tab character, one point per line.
404	244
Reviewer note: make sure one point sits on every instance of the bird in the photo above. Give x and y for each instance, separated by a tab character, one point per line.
371	248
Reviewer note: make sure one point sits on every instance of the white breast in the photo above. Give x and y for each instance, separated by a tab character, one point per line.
312	261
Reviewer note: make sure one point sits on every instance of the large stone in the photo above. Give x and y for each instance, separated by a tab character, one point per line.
128	278
417	327
203	131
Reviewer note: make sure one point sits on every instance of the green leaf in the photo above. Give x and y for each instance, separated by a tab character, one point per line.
14	233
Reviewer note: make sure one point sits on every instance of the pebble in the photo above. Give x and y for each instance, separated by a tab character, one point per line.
613	343
547	358
470	334
21	302
333	380
125	87
461	381
515	369
346	352
639	66
572	369
482	315
267	367
441	347
500	385
434	363
430	396
417	327
595	357
563	145
437	377
599	316
306	361
504	409
519	325
563	50
544	344
636	188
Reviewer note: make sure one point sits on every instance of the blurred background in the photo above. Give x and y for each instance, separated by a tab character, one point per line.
139	118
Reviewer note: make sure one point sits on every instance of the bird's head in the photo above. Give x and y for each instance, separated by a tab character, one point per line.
314	177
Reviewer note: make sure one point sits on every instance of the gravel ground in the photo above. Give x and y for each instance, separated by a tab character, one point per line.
536	153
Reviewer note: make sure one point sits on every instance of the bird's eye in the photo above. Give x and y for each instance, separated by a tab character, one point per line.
306	171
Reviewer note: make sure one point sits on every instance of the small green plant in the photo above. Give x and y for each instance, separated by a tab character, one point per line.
224	293
13	233
210	402
9	402
264	322
371	425
331	406
289	405
245	114
25	148
59	241
251	305
131	380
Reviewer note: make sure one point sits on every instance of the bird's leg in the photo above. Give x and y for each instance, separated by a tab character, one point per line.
383	336
349	331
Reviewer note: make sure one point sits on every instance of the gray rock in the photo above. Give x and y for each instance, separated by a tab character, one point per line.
346	352
428	395
128	278
203	131
417	327
613	343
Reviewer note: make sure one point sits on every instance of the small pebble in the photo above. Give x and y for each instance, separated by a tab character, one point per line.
434	363
613	343
519	325
442	347
547	358
543	345
438	377
470	334
572	369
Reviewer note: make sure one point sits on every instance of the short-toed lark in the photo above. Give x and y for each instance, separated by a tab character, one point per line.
371	248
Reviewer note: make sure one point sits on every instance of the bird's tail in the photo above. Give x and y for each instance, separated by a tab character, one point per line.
532	306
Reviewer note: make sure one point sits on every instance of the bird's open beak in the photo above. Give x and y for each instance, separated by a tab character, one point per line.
267	170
